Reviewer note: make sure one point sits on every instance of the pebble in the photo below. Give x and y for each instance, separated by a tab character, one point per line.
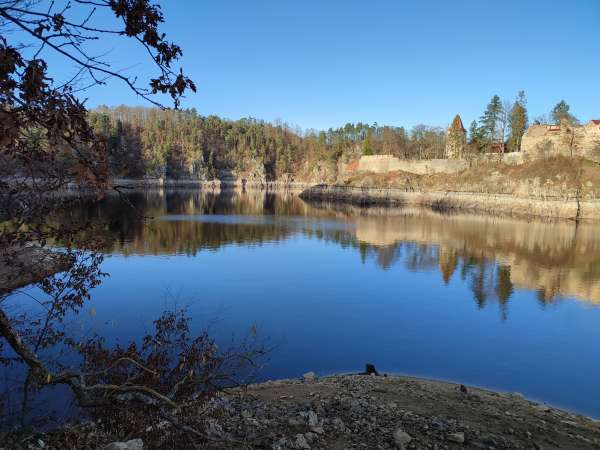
401	437
309	376
134	444
301	442
459	438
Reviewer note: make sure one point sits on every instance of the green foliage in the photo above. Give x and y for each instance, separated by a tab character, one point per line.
367	150
488	123
183	144
476	137
518	122
561	113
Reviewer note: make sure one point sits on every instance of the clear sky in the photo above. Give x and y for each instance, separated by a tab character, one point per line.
322	63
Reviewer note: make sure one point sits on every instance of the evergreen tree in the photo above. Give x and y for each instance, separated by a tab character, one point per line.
367	149
489	121
518	122
560	113
473	132
148	142
476	139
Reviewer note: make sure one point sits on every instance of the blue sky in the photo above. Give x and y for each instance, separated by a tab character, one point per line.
320	64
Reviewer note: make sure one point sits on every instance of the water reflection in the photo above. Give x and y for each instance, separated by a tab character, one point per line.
492	254
495	254
413	291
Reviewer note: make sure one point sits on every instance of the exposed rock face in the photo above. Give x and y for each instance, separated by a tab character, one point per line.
513	205
456	140
566	139
254	173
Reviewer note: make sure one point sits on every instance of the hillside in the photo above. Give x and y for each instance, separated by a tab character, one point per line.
559	176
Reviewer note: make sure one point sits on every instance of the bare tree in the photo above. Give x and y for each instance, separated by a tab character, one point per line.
504	123
47	145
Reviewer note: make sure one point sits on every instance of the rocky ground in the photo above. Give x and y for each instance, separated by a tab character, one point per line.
369	412
362	412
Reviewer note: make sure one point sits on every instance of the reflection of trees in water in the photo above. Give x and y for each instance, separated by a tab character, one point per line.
127	233
488	280
490	256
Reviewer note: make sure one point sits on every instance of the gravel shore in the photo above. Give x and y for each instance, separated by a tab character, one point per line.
376	412
355	412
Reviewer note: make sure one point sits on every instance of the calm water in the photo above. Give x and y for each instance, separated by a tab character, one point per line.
494	302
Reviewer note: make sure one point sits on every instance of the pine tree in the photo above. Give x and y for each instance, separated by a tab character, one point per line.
560	113
489	121
367	149
476	140
518	122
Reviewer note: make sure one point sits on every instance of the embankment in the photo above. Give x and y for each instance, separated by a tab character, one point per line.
505	204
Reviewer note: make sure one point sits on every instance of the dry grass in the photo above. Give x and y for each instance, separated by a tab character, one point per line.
554	176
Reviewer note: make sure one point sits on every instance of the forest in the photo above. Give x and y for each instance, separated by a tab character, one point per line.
183	144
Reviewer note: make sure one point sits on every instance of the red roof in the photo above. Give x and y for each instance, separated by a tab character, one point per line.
457	124
595	121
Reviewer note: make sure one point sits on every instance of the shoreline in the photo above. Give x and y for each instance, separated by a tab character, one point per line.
543	207
504	204
509	205
209	184
388	412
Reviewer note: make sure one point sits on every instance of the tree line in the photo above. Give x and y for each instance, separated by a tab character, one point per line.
503	123
182	144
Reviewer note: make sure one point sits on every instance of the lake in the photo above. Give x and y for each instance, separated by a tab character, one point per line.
511	305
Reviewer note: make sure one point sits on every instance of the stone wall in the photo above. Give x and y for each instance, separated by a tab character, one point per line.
388	163
511	158
568	140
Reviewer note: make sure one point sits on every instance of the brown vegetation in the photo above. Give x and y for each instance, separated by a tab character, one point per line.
547	177
48	142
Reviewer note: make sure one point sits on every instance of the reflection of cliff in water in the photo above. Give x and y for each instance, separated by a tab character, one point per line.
493	254
185	222
553	258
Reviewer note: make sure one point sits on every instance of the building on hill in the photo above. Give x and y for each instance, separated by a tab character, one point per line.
456	139
565	139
